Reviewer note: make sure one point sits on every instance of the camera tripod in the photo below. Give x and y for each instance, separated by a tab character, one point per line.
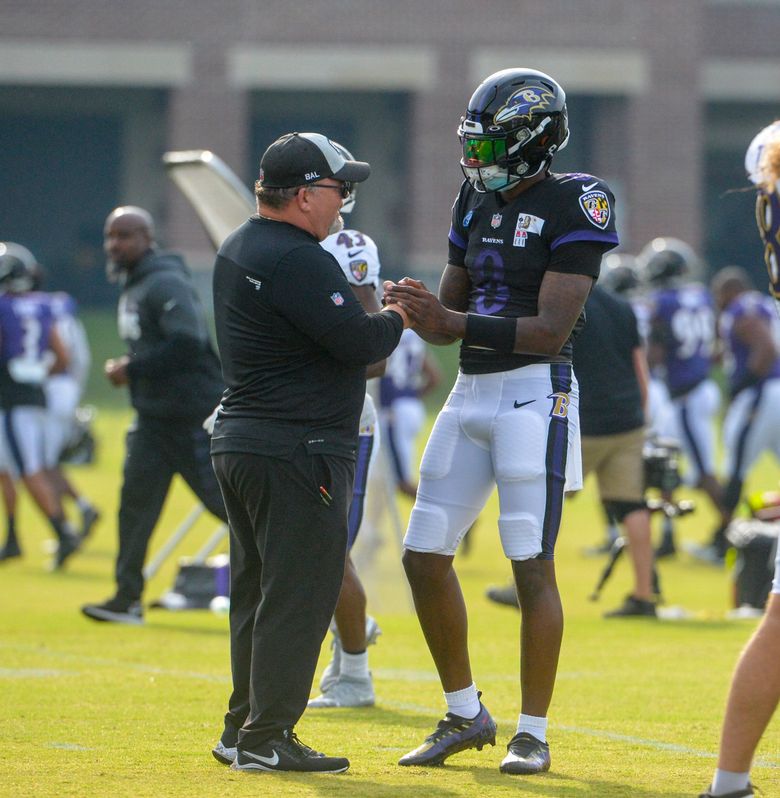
671	510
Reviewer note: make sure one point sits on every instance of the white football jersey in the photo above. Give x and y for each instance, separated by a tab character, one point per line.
357	255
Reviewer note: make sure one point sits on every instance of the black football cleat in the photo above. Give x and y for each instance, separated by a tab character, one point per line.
115	610
68	545
525	755
633	607
10	551
453	734
288	753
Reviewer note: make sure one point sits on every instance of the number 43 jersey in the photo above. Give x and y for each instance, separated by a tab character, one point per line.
508	247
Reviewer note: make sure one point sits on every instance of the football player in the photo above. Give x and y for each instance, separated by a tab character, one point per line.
174	380
346	680
64	391
30	348
525	247
411	374
681	348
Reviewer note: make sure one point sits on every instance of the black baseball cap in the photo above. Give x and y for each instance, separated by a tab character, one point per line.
297	159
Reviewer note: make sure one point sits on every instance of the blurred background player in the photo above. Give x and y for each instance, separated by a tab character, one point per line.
681	348
30	348
346	680
64	391
611	368
174	379
411	374
755	686
749	329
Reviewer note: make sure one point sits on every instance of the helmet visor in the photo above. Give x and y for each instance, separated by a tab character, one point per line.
483	152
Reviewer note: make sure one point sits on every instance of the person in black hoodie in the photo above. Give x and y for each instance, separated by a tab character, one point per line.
174	379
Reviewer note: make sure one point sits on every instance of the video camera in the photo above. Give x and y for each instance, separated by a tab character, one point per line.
662	472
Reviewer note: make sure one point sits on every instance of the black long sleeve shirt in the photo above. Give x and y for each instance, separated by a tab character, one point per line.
294	343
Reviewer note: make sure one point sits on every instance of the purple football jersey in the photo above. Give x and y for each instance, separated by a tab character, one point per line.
735	352
683	319
25	330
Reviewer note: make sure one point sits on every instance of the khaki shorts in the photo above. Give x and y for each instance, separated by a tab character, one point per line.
617	462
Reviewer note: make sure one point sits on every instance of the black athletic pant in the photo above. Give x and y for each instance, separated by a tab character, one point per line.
156	450
288	546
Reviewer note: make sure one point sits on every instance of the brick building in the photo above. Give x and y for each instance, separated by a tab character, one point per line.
664	97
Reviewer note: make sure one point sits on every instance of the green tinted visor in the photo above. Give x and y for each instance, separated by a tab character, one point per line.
483	152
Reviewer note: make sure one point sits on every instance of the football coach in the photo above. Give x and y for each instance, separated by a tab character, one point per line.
295	343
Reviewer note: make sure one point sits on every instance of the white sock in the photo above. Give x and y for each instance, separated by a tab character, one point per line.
533	725
83	504
726	781
354	665
464	703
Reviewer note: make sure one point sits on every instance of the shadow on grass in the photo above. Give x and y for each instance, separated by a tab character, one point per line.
415	782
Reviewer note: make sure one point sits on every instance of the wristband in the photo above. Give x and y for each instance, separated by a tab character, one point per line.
490	332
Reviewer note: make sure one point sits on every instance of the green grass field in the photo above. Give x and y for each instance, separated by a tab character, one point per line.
102	710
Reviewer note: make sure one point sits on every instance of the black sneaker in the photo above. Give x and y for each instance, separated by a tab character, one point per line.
116	609
666	548
288	753
89	518
68	545
633	607
453	734
10	551
506	595
526	754
746	793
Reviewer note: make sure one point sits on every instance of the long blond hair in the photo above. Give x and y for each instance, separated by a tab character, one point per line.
770	164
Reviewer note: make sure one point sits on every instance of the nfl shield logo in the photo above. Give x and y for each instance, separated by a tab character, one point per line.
495	221
337	299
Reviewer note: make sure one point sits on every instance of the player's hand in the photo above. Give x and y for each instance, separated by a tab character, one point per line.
423	308
115	370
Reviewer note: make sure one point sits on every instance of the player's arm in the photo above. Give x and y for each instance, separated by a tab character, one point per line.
642	371
657	344
561	298
430	373
756	334
61	359
366	295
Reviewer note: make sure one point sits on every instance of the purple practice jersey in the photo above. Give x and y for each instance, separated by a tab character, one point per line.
506	247
768	219
735	352
682	320
25	357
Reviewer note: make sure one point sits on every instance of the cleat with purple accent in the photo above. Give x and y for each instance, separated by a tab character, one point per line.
453	734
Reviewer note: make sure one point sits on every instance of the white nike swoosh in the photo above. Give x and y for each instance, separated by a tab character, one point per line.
590	187
266	760
169	305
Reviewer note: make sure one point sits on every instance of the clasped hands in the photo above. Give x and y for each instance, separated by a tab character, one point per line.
425	312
